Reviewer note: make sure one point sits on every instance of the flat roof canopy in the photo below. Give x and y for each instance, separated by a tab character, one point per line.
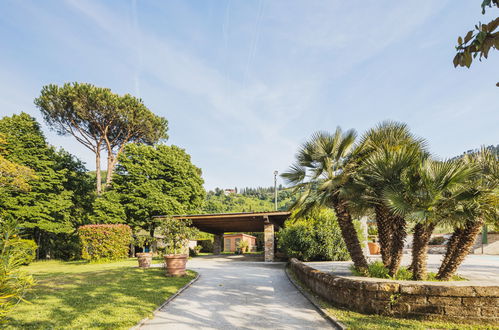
234	222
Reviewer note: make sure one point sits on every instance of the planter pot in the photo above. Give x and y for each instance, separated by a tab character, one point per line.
175	264
373	248
144	259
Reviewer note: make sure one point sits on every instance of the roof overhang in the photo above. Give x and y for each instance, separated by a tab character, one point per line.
219	223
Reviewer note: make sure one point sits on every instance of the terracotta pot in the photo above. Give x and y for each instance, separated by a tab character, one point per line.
144	259
373	248
175	264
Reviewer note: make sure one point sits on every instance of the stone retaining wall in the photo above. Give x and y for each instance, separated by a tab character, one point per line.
426	300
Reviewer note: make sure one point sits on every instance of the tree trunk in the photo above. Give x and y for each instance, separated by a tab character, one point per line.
384	233
399	235
111	163
466	241
97	172
350	236
451	247
422	235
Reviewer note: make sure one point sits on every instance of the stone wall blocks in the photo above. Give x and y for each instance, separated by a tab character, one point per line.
460	311
451	301
481	301
486	291
490	312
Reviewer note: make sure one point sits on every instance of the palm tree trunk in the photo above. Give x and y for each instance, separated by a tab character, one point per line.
451	247
397	246
422	235
466	241
350	235
384	233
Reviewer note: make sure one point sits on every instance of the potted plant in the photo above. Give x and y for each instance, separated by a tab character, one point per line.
374	247
144	258
176	234
243	246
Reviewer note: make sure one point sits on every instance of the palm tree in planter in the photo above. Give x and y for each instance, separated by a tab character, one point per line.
427	197
477	204
385	153
322	171
176	234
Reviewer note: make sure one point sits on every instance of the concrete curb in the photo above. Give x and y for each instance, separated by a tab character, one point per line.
313	300
144	320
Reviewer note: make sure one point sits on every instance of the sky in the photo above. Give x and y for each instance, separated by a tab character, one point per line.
243	83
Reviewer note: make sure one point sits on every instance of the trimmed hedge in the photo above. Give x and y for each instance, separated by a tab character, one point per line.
105	242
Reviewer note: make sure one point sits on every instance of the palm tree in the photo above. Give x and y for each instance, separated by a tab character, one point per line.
321	172
385	153
427	197
477	203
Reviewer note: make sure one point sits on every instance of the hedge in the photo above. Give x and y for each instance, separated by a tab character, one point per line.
105	242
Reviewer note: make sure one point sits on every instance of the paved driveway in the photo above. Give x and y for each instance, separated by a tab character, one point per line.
475	267
233	294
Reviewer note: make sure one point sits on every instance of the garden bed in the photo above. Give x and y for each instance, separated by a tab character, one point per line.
477	301
84	295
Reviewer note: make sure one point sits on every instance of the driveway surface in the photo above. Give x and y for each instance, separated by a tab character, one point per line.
475	267
233	294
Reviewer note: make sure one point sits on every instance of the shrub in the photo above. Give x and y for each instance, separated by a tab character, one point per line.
14	283
206	245
243	246
437	240
193	252
317	237
28	250
104	242
175	234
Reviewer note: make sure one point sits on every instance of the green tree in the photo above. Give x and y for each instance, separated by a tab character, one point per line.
47	210
479	41
99	119
477	203
385	153
322	170
427	197
156	180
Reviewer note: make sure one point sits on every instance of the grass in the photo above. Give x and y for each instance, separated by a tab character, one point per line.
378	270
86	295
354	320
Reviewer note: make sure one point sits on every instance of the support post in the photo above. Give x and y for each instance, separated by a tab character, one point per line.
217	243
268	238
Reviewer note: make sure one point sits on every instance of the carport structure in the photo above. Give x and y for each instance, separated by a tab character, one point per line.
220	223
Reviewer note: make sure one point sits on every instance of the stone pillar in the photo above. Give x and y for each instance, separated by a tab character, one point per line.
268	239
217	243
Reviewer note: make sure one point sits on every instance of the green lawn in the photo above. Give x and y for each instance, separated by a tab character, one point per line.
82	295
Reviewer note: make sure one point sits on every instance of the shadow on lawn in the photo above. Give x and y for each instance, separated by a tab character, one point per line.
104	298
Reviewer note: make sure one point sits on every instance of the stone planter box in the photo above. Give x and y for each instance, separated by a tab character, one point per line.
453	301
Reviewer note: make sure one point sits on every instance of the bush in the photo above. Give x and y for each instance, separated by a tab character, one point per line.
206	245
317	237
193	252
14	283
105	242
437	240
28	250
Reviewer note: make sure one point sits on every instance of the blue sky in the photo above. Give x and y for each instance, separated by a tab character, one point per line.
243	83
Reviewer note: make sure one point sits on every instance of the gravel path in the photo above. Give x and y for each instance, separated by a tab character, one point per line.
232	294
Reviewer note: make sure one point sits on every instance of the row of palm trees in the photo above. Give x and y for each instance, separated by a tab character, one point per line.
389	174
